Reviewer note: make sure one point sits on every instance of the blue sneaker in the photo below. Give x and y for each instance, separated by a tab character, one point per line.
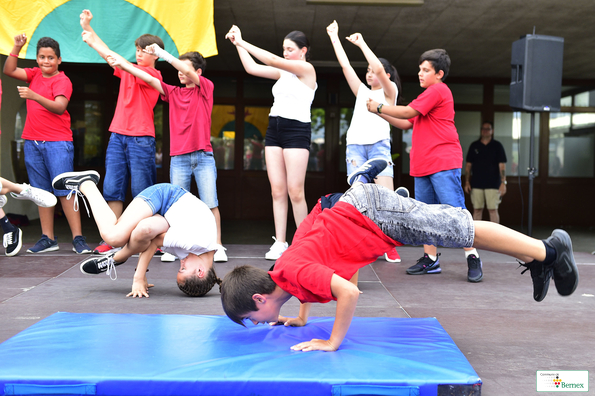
370	169
80	246
44	245
425	265
474	271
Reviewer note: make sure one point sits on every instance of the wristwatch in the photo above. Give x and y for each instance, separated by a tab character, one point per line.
379	108
504	181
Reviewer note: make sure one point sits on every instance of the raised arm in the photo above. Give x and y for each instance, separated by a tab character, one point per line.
182	67
235	36
346	294
389	88
304	70
90	37
115	60
350	74
10	66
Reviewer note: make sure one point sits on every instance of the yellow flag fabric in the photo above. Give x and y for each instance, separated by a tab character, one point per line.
183	25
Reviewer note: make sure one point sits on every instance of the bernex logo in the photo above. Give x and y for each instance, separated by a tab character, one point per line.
563	381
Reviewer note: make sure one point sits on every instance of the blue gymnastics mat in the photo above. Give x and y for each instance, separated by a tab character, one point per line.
131	354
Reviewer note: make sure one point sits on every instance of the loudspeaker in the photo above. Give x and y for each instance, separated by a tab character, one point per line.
536	79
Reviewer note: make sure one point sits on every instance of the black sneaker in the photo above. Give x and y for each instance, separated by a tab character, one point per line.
475	272
541	275
425	265
371	168
97	265
565	269
13	242
73	180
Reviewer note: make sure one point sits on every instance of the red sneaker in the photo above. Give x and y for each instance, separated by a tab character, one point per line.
104	248
392	256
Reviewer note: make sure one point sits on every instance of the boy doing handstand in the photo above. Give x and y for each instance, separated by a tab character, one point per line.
367	220
162	215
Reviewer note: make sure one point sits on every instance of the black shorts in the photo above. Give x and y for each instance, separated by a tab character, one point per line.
286	133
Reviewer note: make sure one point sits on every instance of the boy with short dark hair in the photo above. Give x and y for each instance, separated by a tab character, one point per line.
49	148
436	153
366	221
190	126
130	153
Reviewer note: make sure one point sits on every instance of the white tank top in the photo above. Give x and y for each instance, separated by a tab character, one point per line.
293	98
366	127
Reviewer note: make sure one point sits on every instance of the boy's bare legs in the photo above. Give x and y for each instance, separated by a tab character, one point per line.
73	217
114	231
497	238
46	218
117	207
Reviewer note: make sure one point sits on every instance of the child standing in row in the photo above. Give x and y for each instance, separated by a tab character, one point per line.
368	136
436	153
289	132
190	126
130	153
48	147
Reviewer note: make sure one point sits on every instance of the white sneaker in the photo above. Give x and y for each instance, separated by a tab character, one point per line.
168	257
276	250
220	255
37	195
2	200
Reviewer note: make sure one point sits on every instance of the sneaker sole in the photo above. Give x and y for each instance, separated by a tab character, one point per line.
19	246
114	250
46	250
438	271
391	260
86	251
475	280
565	239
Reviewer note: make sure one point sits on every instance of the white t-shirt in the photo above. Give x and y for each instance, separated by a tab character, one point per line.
192	228
293	98
367	127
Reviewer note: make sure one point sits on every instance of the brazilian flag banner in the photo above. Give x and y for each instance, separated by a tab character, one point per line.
183	25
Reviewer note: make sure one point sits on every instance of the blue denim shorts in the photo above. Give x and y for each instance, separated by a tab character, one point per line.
46	160
412	222
357	154
202	165
441	188
128	158
161	197
286	133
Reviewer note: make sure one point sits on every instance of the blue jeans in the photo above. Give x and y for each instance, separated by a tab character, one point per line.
412	222
46	160
441	188
161	197
128	157
202	165
357	154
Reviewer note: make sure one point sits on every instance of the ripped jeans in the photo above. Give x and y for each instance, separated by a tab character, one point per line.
412	222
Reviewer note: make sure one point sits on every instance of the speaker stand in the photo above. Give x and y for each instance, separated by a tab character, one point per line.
531	173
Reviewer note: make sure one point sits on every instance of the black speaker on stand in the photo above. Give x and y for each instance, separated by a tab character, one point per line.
536	86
